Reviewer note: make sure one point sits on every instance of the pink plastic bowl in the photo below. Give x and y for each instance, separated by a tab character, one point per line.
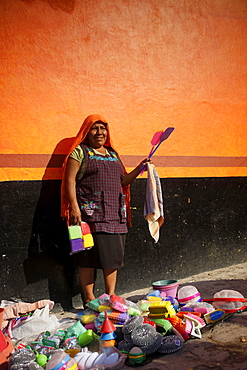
169	287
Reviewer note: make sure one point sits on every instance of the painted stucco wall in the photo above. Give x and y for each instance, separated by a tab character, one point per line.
142	64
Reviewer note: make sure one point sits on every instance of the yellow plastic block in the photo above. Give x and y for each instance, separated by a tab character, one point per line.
152	299
88	319
163	315
161	304
102	308
164	307
88	241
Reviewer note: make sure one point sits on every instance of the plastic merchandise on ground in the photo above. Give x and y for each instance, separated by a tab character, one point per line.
82	348
166	287
6	346
169	344
118	303
161	309
94	304
152	347
229	300
136	355
38	322
104	300
144	306
61	360
188	294
132	323
100	360
20	358
109	302
142	335
201	307
133	308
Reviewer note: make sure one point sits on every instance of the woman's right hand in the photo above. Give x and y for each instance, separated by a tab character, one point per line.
75	215
72	169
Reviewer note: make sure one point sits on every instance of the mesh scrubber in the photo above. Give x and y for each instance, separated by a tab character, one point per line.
132	323
170	343
125	346
22	357
143	335
154	346
127	337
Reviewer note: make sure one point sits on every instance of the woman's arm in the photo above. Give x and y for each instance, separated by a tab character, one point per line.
130	177
72	169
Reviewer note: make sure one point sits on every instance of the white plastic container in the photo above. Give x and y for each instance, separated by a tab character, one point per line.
188	294
229	300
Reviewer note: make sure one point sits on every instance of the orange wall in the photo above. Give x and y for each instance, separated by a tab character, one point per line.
142	64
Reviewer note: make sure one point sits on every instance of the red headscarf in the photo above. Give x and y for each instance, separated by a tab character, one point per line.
80	138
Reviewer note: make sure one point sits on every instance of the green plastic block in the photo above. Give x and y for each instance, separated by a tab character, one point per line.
75	232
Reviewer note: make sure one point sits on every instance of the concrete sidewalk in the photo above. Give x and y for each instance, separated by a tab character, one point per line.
224	346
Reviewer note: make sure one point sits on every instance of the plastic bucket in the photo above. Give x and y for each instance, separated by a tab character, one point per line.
169	287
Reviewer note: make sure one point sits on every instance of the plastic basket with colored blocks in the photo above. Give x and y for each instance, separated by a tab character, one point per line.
80	237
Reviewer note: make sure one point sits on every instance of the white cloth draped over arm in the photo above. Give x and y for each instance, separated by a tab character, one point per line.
153	207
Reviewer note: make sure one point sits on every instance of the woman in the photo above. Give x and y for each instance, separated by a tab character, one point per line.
95	189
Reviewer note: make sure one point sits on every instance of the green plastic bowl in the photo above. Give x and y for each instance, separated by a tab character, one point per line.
163	283
167	287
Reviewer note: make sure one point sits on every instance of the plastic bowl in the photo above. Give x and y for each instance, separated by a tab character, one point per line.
161	283
169	287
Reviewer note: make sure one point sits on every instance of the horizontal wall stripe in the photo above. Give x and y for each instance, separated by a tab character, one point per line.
56	161
190	161
43	173
31	160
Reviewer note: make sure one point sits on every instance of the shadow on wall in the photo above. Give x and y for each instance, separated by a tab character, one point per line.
48	251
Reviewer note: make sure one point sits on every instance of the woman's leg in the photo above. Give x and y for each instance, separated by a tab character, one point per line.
87	280
110	277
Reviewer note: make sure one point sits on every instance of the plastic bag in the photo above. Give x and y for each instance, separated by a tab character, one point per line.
40	321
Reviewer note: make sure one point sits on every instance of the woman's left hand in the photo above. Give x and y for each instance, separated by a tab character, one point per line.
130	177
143	163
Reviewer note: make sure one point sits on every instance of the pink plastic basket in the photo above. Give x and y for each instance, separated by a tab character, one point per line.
169	287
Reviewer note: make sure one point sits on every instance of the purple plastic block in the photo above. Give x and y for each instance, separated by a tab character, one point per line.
122	318
76	246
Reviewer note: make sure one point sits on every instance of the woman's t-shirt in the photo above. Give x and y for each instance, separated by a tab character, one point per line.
78	155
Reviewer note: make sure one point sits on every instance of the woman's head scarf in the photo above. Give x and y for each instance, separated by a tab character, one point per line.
81	137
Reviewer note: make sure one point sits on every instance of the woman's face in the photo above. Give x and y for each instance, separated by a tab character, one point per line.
97	135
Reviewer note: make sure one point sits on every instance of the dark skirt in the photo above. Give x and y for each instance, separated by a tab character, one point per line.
107	252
